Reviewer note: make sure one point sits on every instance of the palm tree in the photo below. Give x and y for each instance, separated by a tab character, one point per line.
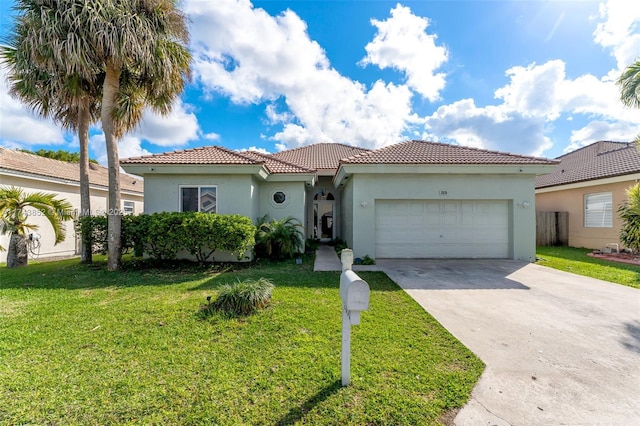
629	83
70	100
278	238
141	41
13	219
630	214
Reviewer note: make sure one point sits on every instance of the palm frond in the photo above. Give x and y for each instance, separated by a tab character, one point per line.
629	83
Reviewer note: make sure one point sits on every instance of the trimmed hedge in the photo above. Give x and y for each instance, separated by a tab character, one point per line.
163	235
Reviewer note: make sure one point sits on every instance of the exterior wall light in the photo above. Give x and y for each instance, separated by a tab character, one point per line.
363	204
525	204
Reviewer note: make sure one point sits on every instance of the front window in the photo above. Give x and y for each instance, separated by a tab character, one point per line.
598	210
128	207
198	199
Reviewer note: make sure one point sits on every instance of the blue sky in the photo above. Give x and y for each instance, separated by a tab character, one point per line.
528	77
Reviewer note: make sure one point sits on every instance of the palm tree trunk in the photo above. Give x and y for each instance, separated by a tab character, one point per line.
17	254
109	93
85	194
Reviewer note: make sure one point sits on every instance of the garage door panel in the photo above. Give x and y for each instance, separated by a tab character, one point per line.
442	228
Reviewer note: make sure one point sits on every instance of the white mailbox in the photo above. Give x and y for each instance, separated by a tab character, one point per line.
355	295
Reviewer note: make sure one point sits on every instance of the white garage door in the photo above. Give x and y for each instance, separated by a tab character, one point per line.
438	228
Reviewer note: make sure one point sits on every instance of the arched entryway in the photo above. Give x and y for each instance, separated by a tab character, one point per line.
323	215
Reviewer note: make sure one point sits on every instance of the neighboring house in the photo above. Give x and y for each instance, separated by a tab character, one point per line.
414	199
39	174
589	184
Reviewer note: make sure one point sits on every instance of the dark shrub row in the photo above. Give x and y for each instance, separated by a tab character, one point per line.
163	235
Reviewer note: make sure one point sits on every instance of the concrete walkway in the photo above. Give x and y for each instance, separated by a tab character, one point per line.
559	348
327	260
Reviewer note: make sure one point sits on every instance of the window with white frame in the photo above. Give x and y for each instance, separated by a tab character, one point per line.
198	199
598	210
129	207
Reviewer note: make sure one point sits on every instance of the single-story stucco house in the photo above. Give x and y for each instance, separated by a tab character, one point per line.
34	173
409	200
589	184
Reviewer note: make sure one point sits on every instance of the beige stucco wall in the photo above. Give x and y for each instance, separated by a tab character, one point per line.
294	204
372	187
572	201
69	191
234	192
346	230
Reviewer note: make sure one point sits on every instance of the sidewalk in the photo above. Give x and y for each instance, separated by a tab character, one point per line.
327	260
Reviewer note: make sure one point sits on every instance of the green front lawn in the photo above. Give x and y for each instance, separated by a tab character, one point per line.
575	260
80	345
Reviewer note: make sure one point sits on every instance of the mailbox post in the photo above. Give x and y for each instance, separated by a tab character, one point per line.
354	293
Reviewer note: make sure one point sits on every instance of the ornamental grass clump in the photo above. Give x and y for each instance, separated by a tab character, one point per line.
243	297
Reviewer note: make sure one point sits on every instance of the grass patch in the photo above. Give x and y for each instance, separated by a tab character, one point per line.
81	345
575	260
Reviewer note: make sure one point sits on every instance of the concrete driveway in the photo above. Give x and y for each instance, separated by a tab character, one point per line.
559	348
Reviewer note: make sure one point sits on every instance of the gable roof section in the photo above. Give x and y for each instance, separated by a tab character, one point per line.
35	165
204	155
217	155
421	152
320	156
276	165
603	159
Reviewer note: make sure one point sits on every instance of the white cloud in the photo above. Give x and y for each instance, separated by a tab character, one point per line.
19	127
212	136
602	130
252	57
175	129
491	127
402	43
620	30
533	99
128	146
255	149
545	91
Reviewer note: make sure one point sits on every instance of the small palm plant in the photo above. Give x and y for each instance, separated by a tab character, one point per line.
13	219
242	297
630	215
279	239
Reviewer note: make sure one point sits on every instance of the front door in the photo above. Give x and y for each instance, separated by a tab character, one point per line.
323	220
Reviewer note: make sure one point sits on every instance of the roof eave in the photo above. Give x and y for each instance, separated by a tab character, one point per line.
346	169
196	169
307	178
635	177
63	181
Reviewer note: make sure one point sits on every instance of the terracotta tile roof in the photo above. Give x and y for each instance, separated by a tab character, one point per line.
320	156
31	164
421	152
275	165
202	155
217	155
596	161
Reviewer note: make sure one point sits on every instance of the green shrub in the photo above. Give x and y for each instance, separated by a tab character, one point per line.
311	245
366	260
278	239
204	233
163	235
135	230
243	297
630	214
339	245
94	229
